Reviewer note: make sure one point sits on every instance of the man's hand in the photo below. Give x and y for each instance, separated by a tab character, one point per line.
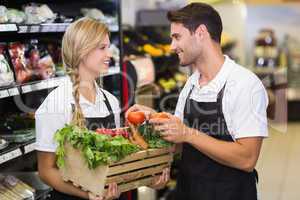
172	129
162	180
136	107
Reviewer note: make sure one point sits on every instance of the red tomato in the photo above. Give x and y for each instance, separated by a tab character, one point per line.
136	118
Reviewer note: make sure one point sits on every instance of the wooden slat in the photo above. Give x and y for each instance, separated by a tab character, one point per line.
135	184
118	169
136	174
143	154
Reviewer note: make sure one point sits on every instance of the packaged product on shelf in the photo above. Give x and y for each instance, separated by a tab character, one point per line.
3	14
3	144
17	127
97	14
39	60
55	52
16	16
6	74
37	14
13	188
17	55
11	15
93	13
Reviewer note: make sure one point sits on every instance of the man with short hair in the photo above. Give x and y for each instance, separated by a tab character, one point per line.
220	117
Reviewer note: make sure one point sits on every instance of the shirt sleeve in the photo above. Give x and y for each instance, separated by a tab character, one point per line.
249	115
46	125
50	117
179	111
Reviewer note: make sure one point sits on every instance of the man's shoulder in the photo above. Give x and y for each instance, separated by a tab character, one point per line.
243	78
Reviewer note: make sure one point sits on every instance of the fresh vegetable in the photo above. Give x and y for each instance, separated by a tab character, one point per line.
113	132
97	149
136	118
136	138
160	115
152	137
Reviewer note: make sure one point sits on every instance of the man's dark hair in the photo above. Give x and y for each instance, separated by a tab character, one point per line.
195	14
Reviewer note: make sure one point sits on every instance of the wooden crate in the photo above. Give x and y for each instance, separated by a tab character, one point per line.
135	170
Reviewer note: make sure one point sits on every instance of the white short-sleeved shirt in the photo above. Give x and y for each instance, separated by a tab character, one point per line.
244	100
56	111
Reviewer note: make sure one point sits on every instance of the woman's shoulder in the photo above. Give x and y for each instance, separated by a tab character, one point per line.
57	100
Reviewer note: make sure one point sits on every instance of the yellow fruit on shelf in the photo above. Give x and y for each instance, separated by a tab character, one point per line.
153	51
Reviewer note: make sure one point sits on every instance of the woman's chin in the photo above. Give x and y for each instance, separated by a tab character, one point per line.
104	71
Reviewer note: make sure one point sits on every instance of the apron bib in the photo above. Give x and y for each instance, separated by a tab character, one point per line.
202	178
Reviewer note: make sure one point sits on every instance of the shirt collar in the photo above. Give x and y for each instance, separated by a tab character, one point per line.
217	83
69	87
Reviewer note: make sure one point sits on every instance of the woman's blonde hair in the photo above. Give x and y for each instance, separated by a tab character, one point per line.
80	38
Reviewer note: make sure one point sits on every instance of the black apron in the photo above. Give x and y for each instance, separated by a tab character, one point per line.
92	124
200	177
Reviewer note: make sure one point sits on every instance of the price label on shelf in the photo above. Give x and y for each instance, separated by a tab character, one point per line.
26	88
4	93
8	27
29	148
60	28
45	28
35	29
10	155
13	91
40	86
23	29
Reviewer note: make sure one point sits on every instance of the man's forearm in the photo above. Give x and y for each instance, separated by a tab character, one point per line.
232	154
53	178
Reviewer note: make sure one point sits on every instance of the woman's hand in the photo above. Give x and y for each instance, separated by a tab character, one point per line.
112	193
162	180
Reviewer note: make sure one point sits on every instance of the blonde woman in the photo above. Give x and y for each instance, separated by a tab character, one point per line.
78	100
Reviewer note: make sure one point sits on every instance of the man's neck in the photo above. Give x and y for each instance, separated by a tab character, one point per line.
209	66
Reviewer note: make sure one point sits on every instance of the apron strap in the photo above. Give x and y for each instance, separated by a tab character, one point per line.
107	103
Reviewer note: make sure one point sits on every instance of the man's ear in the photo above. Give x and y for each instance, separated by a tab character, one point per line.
201	31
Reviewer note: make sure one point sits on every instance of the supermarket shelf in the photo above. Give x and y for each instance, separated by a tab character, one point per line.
15	150
44	28
34	181
41	85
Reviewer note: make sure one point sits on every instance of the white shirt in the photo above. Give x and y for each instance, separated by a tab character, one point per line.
56	111
244	100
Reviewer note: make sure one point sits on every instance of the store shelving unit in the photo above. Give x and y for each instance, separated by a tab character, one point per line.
42	85
16	32
43	28
16	150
